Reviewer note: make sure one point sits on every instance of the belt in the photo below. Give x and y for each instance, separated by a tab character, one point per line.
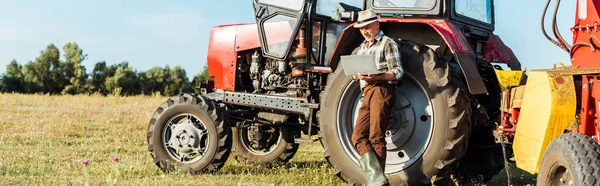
382	83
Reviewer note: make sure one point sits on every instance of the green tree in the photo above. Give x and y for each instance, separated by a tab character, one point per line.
102	73
2	87
73	69
124	81
99	75
154	80
177	83
45	73
12	80
200	78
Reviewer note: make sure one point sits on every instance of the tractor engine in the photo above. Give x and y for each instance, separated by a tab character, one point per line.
275	77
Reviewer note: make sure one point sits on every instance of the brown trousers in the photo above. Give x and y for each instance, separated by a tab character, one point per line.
373	118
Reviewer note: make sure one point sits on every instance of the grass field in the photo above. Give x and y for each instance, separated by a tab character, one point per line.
45	138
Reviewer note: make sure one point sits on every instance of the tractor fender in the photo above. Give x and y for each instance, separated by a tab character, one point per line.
450	33
496	51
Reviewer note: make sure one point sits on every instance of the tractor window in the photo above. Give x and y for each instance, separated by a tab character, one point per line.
477	9
332	35
425	4
316	40
278	31
325	7
287	4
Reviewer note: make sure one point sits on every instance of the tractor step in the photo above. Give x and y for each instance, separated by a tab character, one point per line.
304	140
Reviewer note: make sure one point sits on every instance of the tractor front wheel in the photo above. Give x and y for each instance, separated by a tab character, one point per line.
570	159
188	133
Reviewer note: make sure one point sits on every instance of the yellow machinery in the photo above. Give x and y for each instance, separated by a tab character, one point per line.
552	120
540	111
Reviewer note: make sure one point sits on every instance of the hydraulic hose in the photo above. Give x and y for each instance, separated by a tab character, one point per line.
555	27
555	42
580	44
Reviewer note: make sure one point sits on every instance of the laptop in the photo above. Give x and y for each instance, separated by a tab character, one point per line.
359	64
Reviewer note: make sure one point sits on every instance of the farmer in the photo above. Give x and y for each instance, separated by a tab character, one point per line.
379	97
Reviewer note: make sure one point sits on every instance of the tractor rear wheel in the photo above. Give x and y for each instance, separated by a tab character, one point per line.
429	127
187	132
484	158
277	148
570	159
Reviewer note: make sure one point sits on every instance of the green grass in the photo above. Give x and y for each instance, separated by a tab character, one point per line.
45	138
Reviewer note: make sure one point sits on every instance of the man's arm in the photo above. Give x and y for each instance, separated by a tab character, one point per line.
392	57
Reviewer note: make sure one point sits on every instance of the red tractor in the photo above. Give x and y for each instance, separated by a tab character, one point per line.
285	80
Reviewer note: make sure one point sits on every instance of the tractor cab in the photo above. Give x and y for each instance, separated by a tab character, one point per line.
280	22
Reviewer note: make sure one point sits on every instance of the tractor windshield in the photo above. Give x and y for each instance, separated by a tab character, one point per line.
480	10
289	4
325	7
420	4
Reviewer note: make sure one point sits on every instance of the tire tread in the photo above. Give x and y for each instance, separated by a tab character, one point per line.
206	105
458	99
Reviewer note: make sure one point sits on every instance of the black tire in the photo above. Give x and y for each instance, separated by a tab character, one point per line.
573	157
200	111
484	158
449	100
282	151
491	101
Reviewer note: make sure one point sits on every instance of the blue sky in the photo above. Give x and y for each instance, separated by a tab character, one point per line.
156	33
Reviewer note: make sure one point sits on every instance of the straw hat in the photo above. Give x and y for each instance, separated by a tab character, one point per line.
366	17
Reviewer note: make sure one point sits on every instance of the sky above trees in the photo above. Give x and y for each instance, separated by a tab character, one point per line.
159	33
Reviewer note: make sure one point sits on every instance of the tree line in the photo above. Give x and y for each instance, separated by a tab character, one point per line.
49	74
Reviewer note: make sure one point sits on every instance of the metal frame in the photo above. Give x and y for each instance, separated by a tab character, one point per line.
437	10
264	101
442	9
590	102
264	12
473	22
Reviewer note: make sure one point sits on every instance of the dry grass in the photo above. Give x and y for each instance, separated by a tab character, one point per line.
45	138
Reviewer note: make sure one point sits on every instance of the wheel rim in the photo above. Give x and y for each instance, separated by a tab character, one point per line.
559	175
186	138
409	131
273	140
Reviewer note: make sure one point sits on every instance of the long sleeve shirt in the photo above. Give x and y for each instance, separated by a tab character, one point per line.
387	56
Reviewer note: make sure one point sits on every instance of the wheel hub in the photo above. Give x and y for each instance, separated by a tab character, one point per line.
188	137
561	176
260	141
408	132
401	123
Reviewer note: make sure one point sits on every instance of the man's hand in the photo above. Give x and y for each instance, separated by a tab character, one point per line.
388	76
